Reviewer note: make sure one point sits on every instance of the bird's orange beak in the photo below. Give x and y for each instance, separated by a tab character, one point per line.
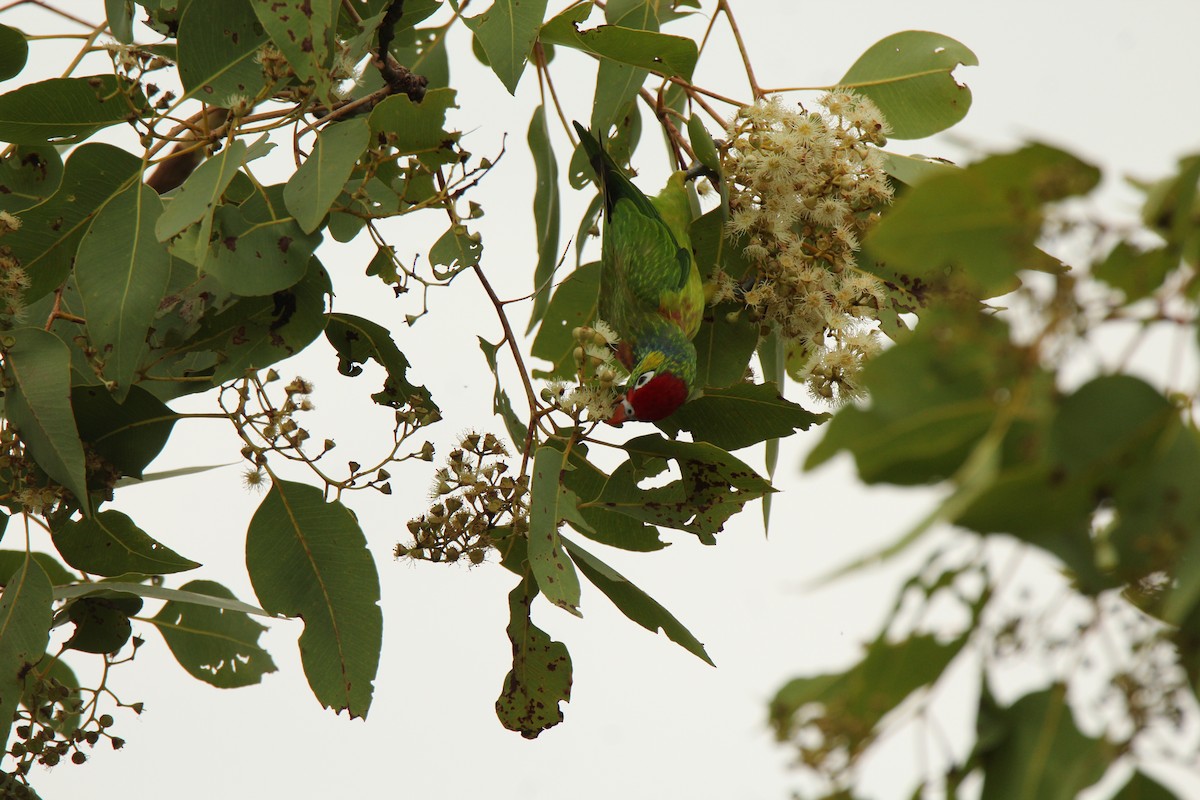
618	416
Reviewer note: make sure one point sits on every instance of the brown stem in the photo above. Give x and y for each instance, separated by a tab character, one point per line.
723	7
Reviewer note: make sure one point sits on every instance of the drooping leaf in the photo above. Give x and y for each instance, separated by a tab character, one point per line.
110	543
659	53
218	41
617	84
320	179
308	558
501	404
14	51
507	31
1033	749
540	678
161	593
200	194
585	481
910	77
573	304
215	645
1135	271
128	435
38	405
551	568
358	340
50	231
546	210
28	175
68	110
633	602
740	415
120	19
25	617
303	30
417	128
121	272
977	226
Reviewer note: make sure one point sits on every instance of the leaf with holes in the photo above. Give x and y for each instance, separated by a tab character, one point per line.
110	544
303	30
540	677
216	645
359	340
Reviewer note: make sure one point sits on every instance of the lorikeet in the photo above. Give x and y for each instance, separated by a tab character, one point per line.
650	289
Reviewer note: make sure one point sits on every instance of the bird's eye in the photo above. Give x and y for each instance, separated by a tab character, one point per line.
628	408
643	379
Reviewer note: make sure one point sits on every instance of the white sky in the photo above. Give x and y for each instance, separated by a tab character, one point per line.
1112	81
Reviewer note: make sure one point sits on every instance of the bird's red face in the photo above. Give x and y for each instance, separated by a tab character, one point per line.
653	396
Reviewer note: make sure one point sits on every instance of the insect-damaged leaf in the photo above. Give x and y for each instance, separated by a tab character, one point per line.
540	678
358	340
713	486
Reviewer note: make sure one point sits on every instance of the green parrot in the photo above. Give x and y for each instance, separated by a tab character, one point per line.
650	288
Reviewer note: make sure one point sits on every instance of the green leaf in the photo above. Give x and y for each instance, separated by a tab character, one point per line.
501	404
12	561
456	249
546	211
910	77
552	569
417	128
724	345
540	677
28	175
121	272
856	700
932	399
68	110
1036	751
218	42
1135	271
309	559
358	340
713	486
128	435
633	602
257	251
102	620
50	231
572	305
977	226
911	170
14	52
320	179
111	544
214	645
1140	786
507	31
703	145
657	52
25	617
160	593
740	415
38	405
201	192
617	84
303	30
120	20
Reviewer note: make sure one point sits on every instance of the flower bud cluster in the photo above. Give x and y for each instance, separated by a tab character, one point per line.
595	392
473	496
803	188
48	730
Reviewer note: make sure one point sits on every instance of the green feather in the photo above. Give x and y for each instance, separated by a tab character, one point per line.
650	288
